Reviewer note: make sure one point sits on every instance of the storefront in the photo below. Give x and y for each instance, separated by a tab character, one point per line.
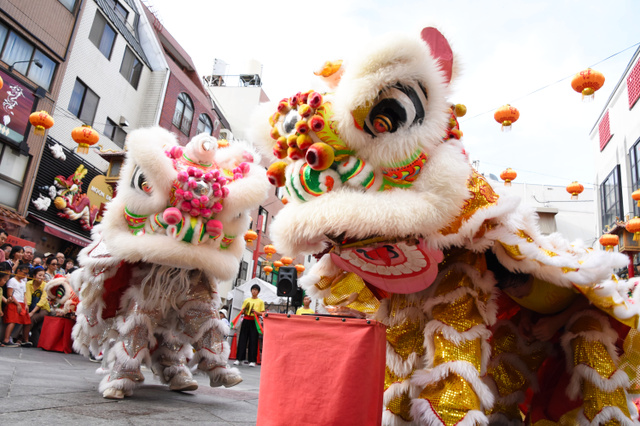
67	201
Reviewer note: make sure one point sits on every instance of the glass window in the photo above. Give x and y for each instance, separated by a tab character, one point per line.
204	124
265	216
69	4
115	133
13	167
83	103
183	116
102	35
42	75
131	68
120	10
3	34
611	198
17	49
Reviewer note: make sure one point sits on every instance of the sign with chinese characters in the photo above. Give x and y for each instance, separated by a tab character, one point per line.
17	104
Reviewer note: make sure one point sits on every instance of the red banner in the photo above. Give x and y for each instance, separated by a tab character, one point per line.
17	104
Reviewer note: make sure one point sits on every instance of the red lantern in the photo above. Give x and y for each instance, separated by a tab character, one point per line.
633	226
506	115
40	121
508	175
250	236
268	269
300	268
575	189
609	241
1	82
277	264
269	250
84	136
286	261
587	82
636	196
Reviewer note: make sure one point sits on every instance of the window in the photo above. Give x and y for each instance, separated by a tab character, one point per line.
17	49
120	11
204	124
131	67
611	198
183	116
83	103
69	4
242	272
265	216
634	160
115	133
13	167
102	35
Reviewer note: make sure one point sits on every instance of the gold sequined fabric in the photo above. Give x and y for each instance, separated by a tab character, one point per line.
462	314
446	351
482	196
630	360
195	317
595	399
345	287
512	250
594	355
406	338
401	406
390	377
607	304
451	398
512	411
136	340
508	378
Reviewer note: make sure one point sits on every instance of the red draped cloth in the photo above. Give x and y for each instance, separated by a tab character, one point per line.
56	334
323	371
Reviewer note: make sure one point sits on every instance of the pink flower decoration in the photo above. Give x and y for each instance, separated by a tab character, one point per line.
216	208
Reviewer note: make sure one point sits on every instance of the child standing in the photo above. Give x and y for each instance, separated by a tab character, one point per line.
16	311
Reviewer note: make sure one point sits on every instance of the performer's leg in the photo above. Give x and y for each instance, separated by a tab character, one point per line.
449	389
253	342
170	362
241	351
203	327
592	361
130	349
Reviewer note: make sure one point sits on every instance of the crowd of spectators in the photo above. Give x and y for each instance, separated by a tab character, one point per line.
23	301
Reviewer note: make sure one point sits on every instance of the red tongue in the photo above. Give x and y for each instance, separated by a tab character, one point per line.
380	253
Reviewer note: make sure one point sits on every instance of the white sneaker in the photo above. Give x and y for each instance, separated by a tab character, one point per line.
252	364
236	362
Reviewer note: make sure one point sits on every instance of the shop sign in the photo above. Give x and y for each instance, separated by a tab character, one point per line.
17	104
99	193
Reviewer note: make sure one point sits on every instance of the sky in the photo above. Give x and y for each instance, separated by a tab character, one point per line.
523	53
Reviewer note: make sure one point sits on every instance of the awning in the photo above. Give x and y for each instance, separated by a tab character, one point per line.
12	217
64	234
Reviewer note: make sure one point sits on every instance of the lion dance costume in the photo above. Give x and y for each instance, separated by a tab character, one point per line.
379	184
149	279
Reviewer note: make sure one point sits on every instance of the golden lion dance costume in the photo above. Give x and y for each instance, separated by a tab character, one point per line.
149	279
405	226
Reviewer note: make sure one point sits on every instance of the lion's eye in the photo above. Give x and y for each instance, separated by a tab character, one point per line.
396	107
139	181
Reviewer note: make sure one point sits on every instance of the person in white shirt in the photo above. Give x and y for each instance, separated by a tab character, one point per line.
17	312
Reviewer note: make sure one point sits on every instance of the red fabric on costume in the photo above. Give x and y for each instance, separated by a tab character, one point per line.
114	288
346	383
551	402
56	334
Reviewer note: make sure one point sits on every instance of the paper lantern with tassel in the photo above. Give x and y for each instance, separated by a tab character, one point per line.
609	241
587	82
40	121
277	264
575	189
269	250
636	196
268	269
250	236
506	115
300	268
508	175
633	226
85	137
286	261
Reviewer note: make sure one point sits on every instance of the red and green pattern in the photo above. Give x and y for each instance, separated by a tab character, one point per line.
236	320
311	181
226	241
329	134
258	325
135	222
402	175
354	171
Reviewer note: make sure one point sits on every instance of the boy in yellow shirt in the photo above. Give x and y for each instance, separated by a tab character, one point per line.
252	308
305	308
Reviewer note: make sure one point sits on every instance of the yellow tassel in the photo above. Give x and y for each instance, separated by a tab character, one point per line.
636	236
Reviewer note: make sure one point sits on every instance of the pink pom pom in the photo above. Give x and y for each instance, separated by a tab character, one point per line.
245	167
217	193
225	192
216	208
223	180
191	171
206	213
208	177
172	216
195	212
204	200
236	170
215	173
237	176
197	173
185	206
188	196
183	176
215	186
195	203
193	184
214	228
179	194
248	157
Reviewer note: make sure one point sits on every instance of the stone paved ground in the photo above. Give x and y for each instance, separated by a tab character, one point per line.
39	387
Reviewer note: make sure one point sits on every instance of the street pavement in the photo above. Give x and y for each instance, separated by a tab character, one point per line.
39	387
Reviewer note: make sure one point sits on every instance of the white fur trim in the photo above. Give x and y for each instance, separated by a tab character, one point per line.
424	414
606	414
582	373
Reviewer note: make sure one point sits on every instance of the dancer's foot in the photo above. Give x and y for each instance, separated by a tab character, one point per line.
182	382
113	393
227	380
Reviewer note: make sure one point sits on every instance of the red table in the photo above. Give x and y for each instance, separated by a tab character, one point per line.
56	334
325	370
